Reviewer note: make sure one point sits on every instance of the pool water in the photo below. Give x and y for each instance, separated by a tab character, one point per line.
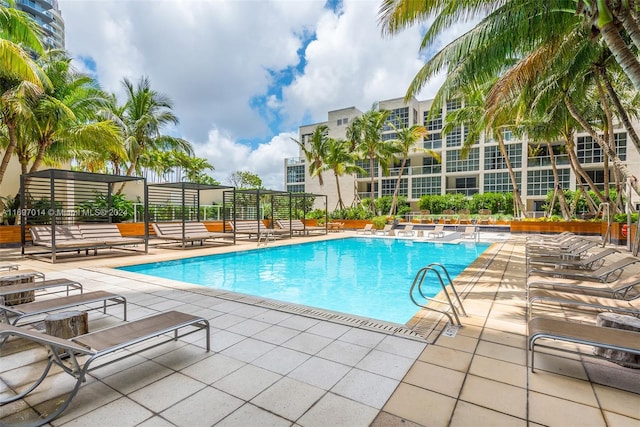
362	276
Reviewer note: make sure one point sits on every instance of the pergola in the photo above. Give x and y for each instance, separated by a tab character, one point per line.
58	198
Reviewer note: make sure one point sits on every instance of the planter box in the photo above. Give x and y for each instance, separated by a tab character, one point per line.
577	227
616	236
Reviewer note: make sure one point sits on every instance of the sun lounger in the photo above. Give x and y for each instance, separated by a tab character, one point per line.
590	302
253	228
575	250
192	232
15	313
578	333
406	231
437	232
470	232
9	266
591	262
606	273
15	276
386	231
297	226
7	292
107	233
619	288
117	342
368	229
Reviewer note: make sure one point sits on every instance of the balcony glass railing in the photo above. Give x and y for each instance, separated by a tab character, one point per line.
465	191
561	159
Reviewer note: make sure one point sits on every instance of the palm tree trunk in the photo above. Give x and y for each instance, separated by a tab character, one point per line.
559	190
340	202
13	141
612	154
42	148
624	56
372	205
394	201
514	181
579	172
631	27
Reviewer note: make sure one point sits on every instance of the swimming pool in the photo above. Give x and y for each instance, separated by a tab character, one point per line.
362	276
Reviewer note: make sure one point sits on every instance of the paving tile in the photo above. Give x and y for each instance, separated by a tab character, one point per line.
365	387
272	316
401	346
385	419
156	421
617	420
329	329
435	378
182	357
502	352
221	340
300	323
127	412
165	392
564	387
447	357
204	408
247	382
307	343
495	395
212	368
499	370
276	334
459	342
386	364
420	406
248	350
549	410
250	415
334	410
318	372
227	320
362	337
288	398
468	414
136	377
344	352
505	338
618	401
248	327
281	360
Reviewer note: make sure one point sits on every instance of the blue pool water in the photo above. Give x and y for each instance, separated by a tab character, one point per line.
362	276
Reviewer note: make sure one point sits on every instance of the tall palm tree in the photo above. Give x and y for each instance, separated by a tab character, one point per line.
146	112
315	151
21	80
340	161
406	139
369	144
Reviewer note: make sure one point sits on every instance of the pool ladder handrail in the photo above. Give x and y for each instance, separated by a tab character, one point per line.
419	279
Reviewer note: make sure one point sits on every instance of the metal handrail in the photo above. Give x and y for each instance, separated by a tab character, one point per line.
419	280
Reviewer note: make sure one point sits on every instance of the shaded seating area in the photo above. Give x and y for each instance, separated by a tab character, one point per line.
256	229
296	226
73	212
176	212
85	353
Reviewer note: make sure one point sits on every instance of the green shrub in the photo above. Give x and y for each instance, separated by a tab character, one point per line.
622	217
379	222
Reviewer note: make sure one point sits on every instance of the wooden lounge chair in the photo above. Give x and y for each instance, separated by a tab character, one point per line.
406	231
15	313
437	232
84	350
107	233
606	273
192	232
570	299
368	229
619	288
578	333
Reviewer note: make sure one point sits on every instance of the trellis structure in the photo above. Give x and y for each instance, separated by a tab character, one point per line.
60	200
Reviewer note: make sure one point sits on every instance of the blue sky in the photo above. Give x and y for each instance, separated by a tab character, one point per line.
244	75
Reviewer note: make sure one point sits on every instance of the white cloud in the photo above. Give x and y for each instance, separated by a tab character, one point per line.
215	58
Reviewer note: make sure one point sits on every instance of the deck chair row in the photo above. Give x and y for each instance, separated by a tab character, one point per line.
188	232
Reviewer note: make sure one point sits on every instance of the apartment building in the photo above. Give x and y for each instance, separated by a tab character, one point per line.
483	170
48	16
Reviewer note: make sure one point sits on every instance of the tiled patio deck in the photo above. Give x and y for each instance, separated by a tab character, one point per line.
270	367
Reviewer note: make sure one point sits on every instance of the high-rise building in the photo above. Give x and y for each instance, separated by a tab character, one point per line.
483	169
47	14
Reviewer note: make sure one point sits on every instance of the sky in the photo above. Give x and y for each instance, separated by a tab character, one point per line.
244	75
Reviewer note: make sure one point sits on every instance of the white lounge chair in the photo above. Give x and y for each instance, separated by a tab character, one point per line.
407	231
606	273
386	231
437	232
368	229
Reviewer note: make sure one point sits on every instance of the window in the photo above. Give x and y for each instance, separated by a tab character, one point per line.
507	135
597	176
433	124
454	104
343	121
425	185
389	136
540	182
590	152
295	173
621	145
433	141
429	166
399	117
364	164
493	158
456	164
295	188
454	138
389	186
500	182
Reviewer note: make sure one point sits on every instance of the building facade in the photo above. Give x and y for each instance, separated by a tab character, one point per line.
47	14
482	170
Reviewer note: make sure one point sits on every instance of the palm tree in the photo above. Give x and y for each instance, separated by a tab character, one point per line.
146	112
340	160
367	134
315	151
406	139
63	122
21	80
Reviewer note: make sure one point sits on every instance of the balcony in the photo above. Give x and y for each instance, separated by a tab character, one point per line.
295	160
561	160
466	191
